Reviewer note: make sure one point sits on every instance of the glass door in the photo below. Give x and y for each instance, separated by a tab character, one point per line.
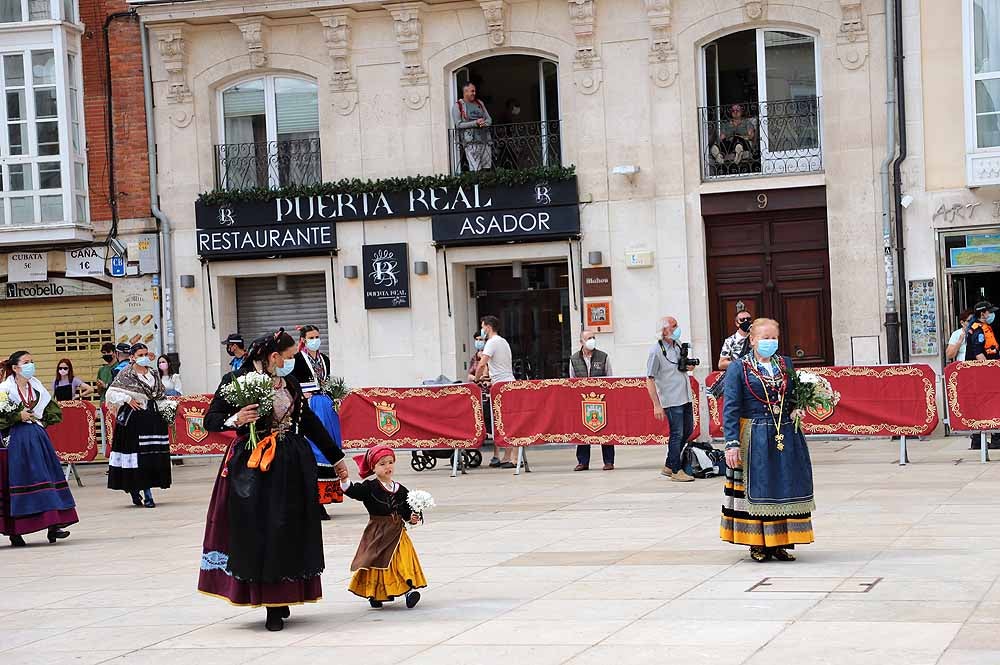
787	80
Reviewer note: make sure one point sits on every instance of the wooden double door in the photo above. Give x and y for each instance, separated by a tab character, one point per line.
774	264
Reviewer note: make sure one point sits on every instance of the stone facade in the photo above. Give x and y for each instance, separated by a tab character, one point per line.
629	87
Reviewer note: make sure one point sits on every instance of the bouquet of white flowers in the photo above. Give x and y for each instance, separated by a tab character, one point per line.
810	391
335	388
248	389
419	501
167	409
7	405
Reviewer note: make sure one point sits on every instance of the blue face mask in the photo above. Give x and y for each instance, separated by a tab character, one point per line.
314	343
28	370
480	345
482	332
767	347
287	368
676	336
144	361
991	317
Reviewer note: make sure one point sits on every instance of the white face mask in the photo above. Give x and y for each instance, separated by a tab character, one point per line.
314	343
591	344
286	368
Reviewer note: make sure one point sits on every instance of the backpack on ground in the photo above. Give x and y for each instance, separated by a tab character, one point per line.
701	460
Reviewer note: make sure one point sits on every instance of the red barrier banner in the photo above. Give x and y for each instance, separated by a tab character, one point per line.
605	411
109	427
74	438
973	392
890	400
427	417
188	435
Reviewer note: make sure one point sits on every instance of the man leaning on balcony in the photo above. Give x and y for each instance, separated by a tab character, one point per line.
472	122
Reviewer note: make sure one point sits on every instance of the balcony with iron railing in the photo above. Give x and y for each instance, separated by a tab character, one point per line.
521	145
268	164
762	138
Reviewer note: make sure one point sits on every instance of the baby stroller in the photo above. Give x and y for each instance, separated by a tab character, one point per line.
425	460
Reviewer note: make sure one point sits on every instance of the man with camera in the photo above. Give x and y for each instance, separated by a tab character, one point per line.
670	391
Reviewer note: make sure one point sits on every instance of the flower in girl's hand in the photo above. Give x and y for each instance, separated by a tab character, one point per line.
419	501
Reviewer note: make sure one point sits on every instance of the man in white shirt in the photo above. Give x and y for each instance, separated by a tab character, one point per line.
736	345
498	358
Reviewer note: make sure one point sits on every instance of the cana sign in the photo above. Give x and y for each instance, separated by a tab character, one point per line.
85	262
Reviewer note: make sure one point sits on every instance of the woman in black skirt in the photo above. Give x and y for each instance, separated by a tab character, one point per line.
263	539
140	448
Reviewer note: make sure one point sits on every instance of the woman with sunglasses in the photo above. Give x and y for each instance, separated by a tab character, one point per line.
66	386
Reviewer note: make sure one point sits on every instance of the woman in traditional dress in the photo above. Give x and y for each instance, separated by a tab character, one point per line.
263	539
312	370
140	448
34	494
768	497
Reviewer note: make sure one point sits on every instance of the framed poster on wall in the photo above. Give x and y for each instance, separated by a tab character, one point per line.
387	276
923	317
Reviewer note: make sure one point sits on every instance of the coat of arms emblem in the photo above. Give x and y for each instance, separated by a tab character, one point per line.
194	420
595	412
821	413
385	418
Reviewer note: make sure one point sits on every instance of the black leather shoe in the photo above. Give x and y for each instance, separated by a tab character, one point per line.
376	604
57	534
412	598
274	621
17	541
285	612
136	499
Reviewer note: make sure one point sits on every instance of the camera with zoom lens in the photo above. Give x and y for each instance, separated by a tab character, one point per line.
686	363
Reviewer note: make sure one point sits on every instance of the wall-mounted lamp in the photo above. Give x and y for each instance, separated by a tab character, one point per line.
420	268
187	281
630	171
350	272
595	258
515	270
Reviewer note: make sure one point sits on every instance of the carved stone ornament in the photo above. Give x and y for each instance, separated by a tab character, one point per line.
255	30
755	10
409	36
337	35
170	42
495	13
852	41
662	53
587	72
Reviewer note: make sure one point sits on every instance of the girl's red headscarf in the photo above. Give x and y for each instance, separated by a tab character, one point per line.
366	463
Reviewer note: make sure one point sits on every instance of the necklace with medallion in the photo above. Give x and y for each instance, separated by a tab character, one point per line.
776	408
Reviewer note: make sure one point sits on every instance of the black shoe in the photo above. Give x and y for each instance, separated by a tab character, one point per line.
412	598
136	499
508	465
149	503
495	463
57	534
284	612
323	515
274	621
376	604
17	541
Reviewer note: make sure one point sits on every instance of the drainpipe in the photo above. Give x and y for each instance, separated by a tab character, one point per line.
166	226
897	184
888	260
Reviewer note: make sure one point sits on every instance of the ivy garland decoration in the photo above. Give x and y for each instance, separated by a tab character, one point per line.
495	178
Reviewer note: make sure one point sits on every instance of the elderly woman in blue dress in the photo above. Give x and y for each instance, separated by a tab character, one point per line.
768	497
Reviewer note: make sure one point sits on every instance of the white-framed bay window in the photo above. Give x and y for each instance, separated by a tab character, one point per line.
20	11
981	26
43	174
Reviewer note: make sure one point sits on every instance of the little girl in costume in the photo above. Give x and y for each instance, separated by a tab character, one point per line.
386	565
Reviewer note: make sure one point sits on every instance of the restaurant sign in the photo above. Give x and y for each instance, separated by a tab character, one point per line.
306	224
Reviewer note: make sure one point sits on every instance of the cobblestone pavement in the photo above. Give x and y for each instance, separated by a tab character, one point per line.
551	567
